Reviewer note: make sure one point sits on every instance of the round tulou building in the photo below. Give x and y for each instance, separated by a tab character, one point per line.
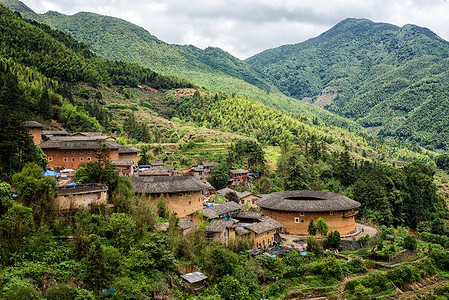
295	208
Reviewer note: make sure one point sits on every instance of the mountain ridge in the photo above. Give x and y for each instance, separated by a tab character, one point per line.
375	71
210	68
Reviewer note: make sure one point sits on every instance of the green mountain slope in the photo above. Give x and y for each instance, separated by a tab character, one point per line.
60	81
211	68
381	75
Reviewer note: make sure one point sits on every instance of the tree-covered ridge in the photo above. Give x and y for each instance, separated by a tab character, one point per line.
211	68
58	56
250	118
383	76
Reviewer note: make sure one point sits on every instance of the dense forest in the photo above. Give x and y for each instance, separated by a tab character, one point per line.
391	80
210	68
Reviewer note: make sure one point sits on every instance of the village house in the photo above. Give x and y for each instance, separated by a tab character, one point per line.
128	153
47	134
260	230
157	164
239	176
35	129
158	171
221	210
194	282
295	209
248	199
228	222
245	198
124	167
202	171
70	152
81	196
183	195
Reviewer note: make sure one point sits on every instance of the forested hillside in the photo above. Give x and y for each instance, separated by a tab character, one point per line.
391	80
211	68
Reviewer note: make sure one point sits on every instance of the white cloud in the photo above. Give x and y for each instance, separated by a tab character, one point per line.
246	27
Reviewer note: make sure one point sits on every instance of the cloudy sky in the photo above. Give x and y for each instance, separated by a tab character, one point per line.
246	27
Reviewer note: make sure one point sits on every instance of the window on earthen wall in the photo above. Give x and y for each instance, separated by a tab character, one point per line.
296	220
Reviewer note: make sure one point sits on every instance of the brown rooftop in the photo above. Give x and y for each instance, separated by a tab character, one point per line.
239	171
306	201
33	124
76	144
82	189
166	184
122	162
216	210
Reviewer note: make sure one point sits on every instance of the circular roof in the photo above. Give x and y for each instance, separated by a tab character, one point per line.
306	201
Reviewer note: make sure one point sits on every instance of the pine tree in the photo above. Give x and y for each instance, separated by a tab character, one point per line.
311	228
96	277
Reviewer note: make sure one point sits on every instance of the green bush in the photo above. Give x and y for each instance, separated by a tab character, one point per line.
126	288
21	292
356	266
410	242
61	291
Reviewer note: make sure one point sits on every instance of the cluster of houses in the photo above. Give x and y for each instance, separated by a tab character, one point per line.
257	218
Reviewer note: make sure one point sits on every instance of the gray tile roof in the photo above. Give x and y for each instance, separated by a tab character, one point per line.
55	132
194	277
82	189
215	211
306	201
122	162
245	194
33	124
76	144
209	164
126	149
241	230
220	225
249	215
90	133
158	171
239	171
166	184
266	223
223	192
186	224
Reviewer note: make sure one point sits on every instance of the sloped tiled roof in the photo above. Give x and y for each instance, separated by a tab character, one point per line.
306	201
239	171
241	230
126	149
82	189
209	163
33	124
223	192
220	225
76	144
122	162
215	211
55	132
249	215
186	224
266	223
194	277
166	184
157	171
